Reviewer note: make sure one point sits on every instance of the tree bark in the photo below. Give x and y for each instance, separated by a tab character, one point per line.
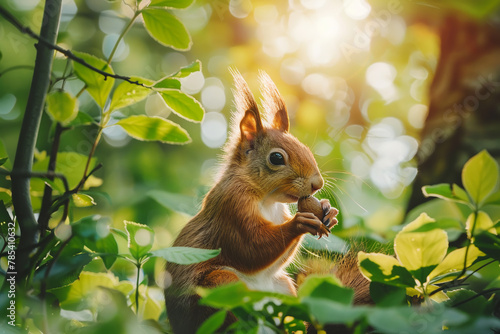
27	139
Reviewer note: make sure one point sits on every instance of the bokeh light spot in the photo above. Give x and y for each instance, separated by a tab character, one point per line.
214	129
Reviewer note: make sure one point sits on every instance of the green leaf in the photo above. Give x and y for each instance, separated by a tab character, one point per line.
480	176
176	202
475	304
5	219
62	107
328	287
225	296
186	255
489	244
384	269
168	82
387	295
120	233
81	119
82	200
171	3
454	262
236	294
444	191
166	29
330	312
140	239
95	233
143	127
187	70
64	271
183	105
460	193
212	324
126	93
92	227
98	86
421	252
69	164
108	247
4	156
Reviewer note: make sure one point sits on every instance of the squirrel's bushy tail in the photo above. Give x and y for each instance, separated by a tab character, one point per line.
347	271
345	268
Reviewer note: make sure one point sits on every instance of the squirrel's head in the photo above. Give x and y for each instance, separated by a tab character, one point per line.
262	150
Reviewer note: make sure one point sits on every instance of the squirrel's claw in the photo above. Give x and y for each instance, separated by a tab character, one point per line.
330	213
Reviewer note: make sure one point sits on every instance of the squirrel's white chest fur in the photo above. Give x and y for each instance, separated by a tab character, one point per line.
274	212
271	278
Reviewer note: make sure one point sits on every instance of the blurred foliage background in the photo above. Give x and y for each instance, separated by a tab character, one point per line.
377	89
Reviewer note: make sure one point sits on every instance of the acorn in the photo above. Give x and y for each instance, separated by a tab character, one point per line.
311	204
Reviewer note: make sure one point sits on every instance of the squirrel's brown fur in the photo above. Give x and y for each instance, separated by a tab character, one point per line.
245	214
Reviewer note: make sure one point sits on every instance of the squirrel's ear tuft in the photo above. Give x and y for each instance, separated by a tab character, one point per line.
250	124
273	103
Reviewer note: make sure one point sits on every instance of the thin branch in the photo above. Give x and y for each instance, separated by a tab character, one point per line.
26	30
18	67
43	219
482	293
41	175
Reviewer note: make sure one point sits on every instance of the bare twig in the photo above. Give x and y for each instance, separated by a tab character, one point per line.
26	30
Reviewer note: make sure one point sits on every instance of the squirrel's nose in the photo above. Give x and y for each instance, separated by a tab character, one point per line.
316	183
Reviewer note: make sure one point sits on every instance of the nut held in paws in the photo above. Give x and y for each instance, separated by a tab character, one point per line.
311	204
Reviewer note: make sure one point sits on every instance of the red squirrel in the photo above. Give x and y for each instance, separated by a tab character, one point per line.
246	213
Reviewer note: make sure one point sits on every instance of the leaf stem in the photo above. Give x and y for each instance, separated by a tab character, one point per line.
138	264
127	28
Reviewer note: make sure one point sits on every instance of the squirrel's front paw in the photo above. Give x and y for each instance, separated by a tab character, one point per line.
307	222
330	214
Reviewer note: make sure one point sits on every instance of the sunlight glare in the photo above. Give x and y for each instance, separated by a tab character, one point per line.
193	83
214	129
357	9
266	14
240	8
292	71
381	77
213	97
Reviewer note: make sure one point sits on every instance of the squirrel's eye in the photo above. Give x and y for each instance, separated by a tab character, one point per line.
276	158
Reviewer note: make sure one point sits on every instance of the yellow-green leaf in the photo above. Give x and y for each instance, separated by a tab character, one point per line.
483	223
385	269
480	176
166	29
77	295
127	93
98	86
421	252
154	129
82	200
171	3
62	107
183	105
140	239
418	223
187	70
454	262
149	308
